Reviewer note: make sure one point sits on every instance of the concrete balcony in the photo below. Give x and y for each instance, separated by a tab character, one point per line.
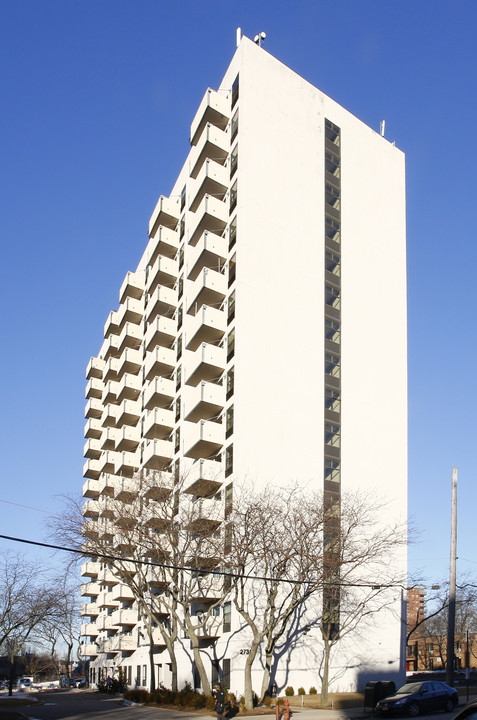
94	408
127	489
90	609
204	439
205	477
88	650
206	515
123	643
159	363
107	485
207	363
210	288
131	310
107	509
128	439
214	109
107	577
165	213
109	416
90	509
111	347
90	589
162	332
110	438
210	252
206	401
131	337
129	362
211	143
89	569
111	326
212	214
163	301
108	461
157	485
165	242
157	640
133	286
91	489
164	272
121	618
111	369
105	622
158	423
94	369
105	531
110	393
91	469
89	630
122	592
129	413
93	428
153	517
209	326
94	388
159	393
90	531
128	463
92	449
129	387
213	179
157	454
155	576
207	589
105	600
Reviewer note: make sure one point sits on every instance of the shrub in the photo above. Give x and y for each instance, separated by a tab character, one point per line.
313	691
210	702
289	691
267	700
137	696
301	691
280	701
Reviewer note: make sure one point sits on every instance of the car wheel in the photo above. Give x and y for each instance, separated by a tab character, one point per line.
414	709
449	705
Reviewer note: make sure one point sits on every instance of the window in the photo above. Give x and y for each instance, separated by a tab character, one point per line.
178	377
234	126
235	91
232	269
233	161
177	444
144	675
227	617
332	163
231	307
332	434
180	287
332	297
226	673
233	197
431	648
179	317
232	233
230	383
230	344
332	331
332	365
332	132
182	228
178	409
229	498
183	197
332	263
332	470
181	256
332	196
332	230
179	347
332	400
229	421
229	460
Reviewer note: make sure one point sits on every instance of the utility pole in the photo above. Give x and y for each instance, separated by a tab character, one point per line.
452	583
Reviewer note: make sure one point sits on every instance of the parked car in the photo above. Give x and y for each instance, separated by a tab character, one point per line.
24	683
81	683
419	697
469	711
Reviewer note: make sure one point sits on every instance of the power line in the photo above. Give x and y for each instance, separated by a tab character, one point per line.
191	568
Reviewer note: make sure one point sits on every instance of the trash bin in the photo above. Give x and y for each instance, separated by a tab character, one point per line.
376	690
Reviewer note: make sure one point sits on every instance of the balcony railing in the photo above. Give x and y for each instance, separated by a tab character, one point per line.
204	439
214	109
211	143
95	368
158	423
204	402
209	325
210	252
159	393
165	213
133	286
158	454
163	272
203	478
161	361
162	332
210	288
207	363
165	242
212	214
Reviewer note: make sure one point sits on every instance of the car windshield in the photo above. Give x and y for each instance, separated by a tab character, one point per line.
409	688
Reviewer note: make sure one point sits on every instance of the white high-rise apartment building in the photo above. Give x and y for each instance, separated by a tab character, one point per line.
262	336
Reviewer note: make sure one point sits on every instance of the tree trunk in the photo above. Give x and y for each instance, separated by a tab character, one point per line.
267	669
199	664
68	658
152	683
326	673
248	690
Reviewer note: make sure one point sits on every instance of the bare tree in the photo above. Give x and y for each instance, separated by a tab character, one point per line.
26	601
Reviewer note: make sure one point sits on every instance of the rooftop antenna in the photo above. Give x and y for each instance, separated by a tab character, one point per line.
238	36
382	127
260	38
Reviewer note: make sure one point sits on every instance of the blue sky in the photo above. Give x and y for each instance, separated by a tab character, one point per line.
97	99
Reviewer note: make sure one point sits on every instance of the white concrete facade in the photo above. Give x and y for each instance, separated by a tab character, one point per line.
234	278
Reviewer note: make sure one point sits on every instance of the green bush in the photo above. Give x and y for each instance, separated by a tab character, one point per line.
313	691
301	691
289	691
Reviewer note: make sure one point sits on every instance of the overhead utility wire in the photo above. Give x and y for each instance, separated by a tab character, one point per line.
104	556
